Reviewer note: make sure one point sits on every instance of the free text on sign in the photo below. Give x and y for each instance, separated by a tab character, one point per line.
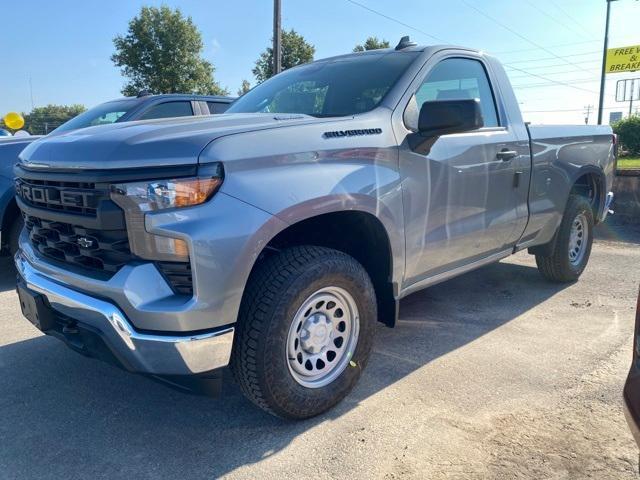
623	59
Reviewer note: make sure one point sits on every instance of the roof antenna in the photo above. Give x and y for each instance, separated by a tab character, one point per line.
405	42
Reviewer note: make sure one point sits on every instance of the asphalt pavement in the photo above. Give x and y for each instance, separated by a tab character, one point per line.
495	374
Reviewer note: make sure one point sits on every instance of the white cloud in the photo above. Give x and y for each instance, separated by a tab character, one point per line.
214	46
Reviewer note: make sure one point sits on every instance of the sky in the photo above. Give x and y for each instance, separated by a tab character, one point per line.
59	51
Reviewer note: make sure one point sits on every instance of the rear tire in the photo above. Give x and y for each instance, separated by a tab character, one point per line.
14	234
287	356
573	242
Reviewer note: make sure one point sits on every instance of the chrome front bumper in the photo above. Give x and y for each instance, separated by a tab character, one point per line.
139	352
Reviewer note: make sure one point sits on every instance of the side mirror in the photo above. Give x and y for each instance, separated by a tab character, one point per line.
440	117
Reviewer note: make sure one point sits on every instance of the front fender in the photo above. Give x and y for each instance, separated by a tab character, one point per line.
296	187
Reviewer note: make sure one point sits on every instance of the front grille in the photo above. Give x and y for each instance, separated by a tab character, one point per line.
77	224
105	250
178	275
71	197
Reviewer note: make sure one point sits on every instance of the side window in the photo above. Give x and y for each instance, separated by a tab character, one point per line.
217	107
460	79
167	110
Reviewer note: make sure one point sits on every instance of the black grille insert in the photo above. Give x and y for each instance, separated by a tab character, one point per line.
105	250
178	275
100	250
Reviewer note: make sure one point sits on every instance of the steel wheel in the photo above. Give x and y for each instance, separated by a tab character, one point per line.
322	337
578	239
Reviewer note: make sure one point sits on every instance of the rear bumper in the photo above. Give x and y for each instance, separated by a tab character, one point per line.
80	317
608	201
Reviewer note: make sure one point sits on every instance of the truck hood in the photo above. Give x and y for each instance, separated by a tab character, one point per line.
166	142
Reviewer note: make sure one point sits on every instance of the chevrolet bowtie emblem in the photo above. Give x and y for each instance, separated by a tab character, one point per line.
85	242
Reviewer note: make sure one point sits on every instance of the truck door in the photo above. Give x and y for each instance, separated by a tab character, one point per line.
462	195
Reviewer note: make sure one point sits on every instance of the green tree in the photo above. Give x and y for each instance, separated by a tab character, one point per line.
42	120
161	53
628	131
372	43
244	88
295	51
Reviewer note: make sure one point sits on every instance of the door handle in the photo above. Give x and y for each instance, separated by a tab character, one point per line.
506	155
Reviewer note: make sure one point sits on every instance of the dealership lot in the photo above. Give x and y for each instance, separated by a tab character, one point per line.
495	374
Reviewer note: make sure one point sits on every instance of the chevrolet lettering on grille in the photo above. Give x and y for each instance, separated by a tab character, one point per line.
53	195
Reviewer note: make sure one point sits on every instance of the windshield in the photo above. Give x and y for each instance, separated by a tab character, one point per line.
103	114
334	88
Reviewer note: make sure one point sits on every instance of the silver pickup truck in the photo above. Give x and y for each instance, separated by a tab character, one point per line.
274	237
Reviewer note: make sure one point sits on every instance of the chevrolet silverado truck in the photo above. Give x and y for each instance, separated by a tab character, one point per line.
144	106
274	237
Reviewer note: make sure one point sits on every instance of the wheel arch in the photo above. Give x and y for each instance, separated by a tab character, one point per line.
358	233
590	182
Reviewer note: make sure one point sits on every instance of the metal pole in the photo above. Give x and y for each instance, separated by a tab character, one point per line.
277	37
604	63
587	113
631	98
31	91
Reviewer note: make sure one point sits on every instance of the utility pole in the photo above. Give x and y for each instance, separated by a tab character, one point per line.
31	91
277	37
633	91
587	112
604	62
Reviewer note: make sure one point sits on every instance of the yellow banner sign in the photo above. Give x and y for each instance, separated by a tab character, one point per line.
623	59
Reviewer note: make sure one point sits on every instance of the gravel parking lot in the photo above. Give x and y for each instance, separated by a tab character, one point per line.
495	374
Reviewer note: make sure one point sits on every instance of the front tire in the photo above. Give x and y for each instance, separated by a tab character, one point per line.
573	243
305	331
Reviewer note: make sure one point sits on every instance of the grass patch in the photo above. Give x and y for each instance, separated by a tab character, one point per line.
629	163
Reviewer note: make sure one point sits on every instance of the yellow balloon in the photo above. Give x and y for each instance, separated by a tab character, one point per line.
13	120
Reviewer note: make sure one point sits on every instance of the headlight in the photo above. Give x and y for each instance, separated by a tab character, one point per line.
139	198
160	194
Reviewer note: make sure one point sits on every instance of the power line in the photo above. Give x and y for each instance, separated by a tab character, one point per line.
565	110
396	20
555	65
554	19
548	84
558	45
583	54
562	72
538	47
558	82
569	16
507	27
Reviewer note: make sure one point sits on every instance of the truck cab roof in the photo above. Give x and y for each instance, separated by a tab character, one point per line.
411	48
